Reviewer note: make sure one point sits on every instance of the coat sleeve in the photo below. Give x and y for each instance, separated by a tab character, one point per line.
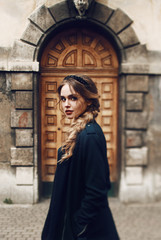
96	180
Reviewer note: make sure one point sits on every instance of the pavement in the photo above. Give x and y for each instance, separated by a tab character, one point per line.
133	221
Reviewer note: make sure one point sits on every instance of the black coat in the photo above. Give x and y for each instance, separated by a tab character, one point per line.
79	207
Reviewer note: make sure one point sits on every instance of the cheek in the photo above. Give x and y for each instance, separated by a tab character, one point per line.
82	107
62	106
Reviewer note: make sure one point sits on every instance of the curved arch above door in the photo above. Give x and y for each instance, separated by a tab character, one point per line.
79	48
82	51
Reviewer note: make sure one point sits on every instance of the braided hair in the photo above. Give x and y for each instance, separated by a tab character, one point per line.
83	85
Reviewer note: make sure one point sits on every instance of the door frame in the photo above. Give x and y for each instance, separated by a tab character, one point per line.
114	189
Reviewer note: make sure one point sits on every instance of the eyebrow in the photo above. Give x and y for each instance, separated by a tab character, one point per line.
71	95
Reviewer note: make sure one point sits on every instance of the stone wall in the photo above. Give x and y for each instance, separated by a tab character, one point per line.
145	15
139	105
16	158
140	96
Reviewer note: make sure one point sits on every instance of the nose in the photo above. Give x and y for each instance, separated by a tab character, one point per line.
67	103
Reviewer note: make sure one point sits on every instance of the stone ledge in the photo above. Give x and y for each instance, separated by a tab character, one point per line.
23	66
116	24
155	68
42	18
141	68
21	156
132	68
3	65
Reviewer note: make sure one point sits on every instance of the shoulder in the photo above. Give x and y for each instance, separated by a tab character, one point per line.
92	129
92	139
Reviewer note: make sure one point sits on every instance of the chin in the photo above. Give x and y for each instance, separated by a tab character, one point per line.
69	117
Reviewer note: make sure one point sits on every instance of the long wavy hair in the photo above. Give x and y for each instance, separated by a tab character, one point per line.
85	86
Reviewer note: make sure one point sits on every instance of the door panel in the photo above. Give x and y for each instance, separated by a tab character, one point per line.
77	51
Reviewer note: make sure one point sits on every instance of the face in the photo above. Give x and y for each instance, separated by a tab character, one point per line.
73	103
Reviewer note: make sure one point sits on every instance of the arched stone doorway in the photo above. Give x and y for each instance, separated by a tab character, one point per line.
24	68
77	50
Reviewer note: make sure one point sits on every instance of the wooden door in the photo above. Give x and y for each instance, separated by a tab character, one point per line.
70	52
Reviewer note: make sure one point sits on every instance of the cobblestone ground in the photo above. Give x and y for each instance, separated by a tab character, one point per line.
134	222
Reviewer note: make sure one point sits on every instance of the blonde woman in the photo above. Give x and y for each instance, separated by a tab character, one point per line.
79	207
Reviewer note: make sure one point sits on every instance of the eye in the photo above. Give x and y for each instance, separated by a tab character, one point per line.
63	99
73	98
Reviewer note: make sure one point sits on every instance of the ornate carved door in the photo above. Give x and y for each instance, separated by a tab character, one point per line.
71	52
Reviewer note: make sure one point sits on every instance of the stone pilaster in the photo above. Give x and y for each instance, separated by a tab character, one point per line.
136	124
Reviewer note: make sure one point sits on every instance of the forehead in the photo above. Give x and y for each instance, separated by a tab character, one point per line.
67	90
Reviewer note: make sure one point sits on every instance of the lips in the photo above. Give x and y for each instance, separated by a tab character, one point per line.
68	112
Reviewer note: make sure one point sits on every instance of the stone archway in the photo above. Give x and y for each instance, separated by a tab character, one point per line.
24	63
44	20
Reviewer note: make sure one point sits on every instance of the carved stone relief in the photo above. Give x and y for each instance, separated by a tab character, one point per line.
82	6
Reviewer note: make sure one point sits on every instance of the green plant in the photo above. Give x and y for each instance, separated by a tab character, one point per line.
8	201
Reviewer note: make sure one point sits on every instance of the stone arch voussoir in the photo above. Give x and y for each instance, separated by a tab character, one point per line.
43	20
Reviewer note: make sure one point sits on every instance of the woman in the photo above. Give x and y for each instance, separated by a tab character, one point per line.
79	208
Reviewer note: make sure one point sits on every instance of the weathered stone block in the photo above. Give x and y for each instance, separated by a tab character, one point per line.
134	175
60	11
137	156
155	68
157	180
100	12
4	53
134	139
136	54
24	175
21	119
4	65
128	37
135	68
5	129
23	66
118	21
22	52
137	83
21	156
22	81
24	137
2	82
134	101
42	18
32	34
136	120
22	194
24	99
